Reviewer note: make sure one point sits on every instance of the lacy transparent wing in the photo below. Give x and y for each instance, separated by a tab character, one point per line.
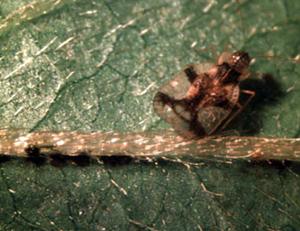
211	117
179	85
170	104
189	119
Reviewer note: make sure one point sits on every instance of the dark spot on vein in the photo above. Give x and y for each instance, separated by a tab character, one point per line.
81	160
58	160
4	158
191	73
34	155
105	208
117	160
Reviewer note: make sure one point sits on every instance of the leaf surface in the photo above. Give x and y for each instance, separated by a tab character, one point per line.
96	66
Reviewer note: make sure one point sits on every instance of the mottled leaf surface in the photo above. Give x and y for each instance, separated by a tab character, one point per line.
96	66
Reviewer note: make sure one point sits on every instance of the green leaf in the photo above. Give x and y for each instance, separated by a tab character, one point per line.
96	66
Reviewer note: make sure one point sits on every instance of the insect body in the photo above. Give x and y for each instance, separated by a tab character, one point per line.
201	99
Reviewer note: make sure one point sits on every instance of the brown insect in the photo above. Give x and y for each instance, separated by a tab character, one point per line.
204	97
201	99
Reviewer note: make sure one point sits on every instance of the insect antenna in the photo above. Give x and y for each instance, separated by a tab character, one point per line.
239	10
295	60
242	24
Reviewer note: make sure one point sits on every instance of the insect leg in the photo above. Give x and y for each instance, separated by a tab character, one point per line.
252	94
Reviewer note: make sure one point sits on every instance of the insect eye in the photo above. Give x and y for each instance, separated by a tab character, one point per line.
196	84
239	61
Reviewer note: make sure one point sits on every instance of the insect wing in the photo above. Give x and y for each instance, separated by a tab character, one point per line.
178	86
169	102
211	117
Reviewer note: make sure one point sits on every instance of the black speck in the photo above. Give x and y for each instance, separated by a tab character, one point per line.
117	160
81	160
58	160
34	155
4	158
191	74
